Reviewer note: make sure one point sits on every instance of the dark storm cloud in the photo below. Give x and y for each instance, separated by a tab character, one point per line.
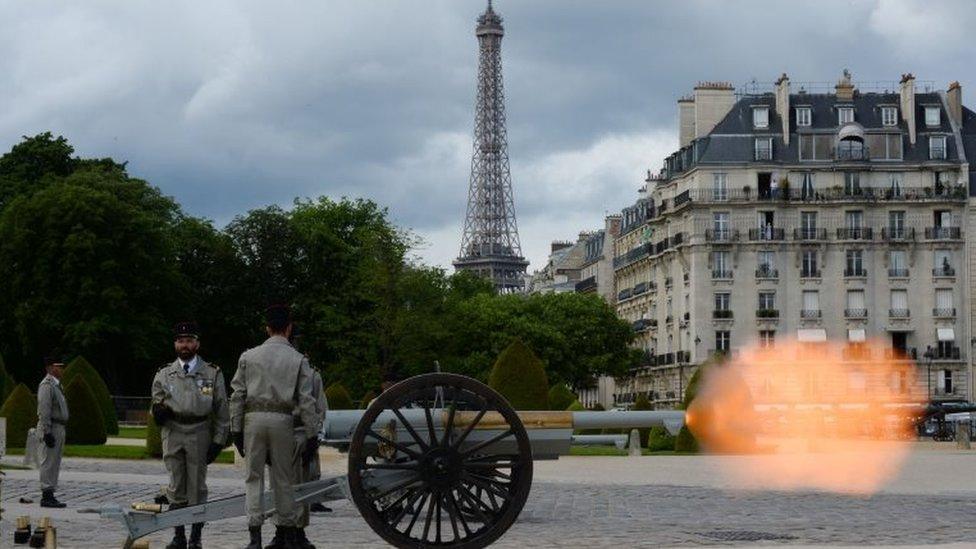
229	106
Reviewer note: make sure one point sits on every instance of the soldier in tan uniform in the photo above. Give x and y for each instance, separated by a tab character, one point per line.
190	405
52	417
272	381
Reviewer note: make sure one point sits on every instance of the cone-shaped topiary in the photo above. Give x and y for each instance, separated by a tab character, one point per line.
520	377
686	441
80	366
154	439
20	409
338	397
641	403
560	397
85	424
367	398
660	440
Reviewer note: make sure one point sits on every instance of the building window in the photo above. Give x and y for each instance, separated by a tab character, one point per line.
845	115
899	304
721	266
896	225
811	304
897	263
723	301
760	117
767	338
854	220
764	148
943	303
720	224
943	263
720	186
852	183
809	268
937	147
894	184
933	117
766	260
855	304
851	148
803	116
855	263
889	116
806	185
723	341
767	301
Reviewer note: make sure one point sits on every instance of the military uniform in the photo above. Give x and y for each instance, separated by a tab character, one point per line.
52	417
273	382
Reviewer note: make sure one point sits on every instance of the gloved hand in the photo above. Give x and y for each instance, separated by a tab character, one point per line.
238	438
213	452
161	413
311	448
49	440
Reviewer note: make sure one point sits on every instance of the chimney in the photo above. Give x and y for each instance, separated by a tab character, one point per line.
686	121
559	245
783	105
713	100
612	225
954	102
844	87
907	91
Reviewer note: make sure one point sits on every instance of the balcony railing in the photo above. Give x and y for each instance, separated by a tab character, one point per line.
810	313
855	272
943	312
943	271
810	273
767	271
633	255
860	153
809	234
721	235
899	313
767	233
665	359
683	356
721	274
861	194
897	272
644	324
767	313
855	233
722	314
943	233
946	353
625	294
855	313
898	234
640	289
586	285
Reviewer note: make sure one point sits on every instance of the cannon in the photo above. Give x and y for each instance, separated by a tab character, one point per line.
436	460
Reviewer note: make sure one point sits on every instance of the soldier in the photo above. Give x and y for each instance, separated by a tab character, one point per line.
190	406
272	381
52	417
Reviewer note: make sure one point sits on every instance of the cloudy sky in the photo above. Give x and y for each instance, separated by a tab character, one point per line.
233	105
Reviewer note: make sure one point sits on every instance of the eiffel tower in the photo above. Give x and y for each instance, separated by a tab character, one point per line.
490	243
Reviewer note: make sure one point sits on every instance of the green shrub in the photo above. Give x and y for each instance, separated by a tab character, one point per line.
85	425
686	441
641	403
80	366
576	406
367	398
154	439
560	397
660	440
338	397
20	409
520	377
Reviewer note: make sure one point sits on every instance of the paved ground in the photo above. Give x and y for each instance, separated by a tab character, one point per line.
587	502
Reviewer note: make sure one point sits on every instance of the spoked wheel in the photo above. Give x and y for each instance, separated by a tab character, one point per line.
440	460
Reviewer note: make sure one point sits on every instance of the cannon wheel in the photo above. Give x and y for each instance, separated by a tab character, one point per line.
449	492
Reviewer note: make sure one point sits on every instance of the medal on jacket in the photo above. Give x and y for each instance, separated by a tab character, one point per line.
206	387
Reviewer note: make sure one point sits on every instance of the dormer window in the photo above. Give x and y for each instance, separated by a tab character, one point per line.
803	116
845	115
764	148
932	117
937	147
760	117
889	116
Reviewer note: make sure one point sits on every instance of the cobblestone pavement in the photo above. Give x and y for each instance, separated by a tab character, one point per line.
563	515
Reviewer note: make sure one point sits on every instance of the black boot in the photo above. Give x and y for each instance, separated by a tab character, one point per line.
317	507
48	500
195	534
280	539
301	540
255	532
179	538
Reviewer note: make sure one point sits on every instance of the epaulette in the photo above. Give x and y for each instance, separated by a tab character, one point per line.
212	365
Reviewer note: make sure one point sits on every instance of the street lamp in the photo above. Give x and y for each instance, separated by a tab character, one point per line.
929	355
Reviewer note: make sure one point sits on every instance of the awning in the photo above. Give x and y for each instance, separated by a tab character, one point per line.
856	335
811	335
946	334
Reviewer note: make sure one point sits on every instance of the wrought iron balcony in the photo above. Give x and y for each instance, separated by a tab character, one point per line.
946	353
852	153
855	313
644	323
809	233
722	314
897	272
633	255
767	313
767	271
943	233
625	294
898	234
810	273
944	270
944	313
721	235
768	233
855	272
810	313
586	285
899	313
640	289
683	357
721	274
855	233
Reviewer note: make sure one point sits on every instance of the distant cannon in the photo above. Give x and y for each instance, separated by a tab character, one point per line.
436	460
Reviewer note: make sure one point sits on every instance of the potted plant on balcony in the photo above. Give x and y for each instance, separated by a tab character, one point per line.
746	190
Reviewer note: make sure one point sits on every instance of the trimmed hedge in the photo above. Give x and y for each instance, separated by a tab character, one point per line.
560	397
686	441
660	440
520	377
338	397
81	366
154	438
20	409
85	424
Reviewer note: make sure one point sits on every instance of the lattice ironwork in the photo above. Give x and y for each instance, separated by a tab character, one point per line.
490	243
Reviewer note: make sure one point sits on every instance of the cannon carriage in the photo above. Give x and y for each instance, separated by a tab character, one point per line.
436	460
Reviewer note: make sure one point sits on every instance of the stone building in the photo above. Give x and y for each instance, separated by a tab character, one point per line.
836	214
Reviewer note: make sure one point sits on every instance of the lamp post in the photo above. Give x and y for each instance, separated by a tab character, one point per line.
929	355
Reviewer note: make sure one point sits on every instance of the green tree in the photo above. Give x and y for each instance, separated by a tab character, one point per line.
81	367
560	397
85	425
642	404
338	397
20	409
520	377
